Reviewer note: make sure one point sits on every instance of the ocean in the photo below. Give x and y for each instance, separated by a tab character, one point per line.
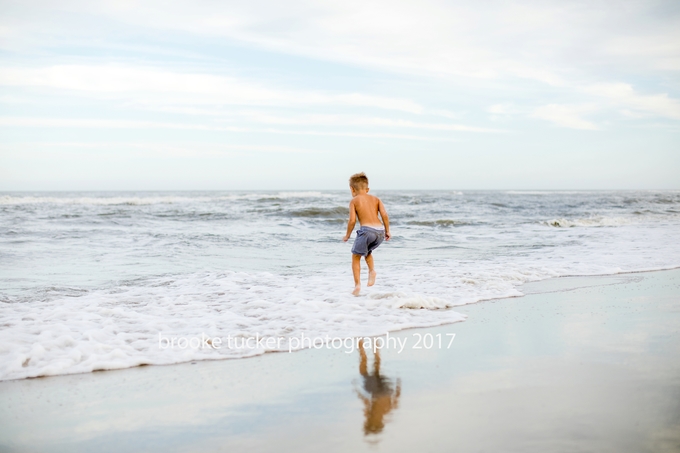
101	280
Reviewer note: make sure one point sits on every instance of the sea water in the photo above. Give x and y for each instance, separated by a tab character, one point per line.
91	281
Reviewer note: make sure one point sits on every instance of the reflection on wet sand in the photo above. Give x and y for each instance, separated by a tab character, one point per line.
378	394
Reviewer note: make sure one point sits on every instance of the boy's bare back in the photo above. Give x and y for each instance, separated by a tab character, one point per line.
367	208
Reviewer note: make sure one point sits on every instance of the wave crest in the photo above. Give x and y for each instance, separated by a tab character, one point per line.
438	223
321	212
588	222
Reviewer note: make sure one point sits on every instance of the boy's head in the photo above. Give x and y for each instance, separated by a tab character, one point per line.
358	182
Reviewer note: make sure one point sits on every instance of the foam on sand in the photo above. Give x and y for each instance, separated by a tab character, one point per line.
120	328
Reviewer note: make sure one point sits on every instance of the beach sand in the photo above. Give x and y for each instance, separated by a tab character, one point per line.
579	364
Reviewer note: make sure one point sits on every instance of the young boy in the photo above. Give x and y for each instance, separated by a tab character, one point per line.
372	231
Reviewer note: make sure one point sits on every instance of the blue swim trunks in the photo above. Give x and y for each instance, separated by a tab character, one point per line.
368	239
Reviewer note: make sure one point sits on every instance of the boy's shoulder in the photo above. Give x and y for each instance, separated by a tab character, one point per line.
374	198
366	196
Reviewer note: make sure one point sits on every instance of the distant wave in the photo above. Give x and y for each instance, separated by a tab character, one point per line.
546	192
102	201
152	199
439	223
588	222
302	195
321	212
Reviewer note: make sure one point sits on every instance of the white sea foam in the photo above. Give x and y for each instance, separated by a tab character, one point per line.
120	328
404	300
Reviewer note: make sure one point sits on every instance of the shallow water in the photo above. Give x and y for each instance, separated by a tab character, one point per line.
90	279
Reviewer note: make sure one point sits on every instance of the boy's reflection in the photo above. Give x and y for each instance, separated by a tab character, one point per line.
378	394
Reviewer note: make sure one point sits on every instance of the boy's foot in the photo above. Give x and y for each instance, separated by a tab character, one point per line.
371	278
357	289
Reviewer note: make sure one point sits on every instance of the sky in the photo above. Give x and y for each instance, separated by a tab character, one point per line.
298	95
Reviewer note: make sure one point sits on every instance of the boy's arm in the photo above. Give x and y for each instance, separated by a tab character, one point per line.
385	219
352	221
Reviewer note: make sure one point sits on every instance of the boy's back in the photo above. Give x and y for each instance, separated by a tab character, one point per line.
367	208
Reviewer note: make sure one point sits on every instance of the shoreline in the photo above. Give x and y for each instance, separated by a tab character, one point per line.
455	308
578	363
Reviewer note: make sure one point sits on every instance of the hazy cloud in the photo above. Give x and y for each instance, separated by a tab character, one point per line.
565	115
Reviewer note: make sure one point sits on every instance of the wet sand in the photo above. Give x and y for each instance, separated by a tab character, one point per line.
579	364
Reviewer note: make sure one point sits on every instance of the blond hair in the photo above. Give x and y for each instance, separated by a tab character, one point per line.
358	181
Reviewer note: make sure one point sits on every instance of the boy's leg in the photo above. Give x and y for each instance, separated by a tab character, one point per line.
371	270
356	271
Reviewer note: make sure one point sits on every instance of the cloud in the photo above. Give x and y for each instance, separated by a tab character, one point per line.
624	95
547	41
150	149
658	49
127	124
565	115
502	112
564	47
101	124
252	117
150	85
503	109
431	37
559	45
362	135
356	120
